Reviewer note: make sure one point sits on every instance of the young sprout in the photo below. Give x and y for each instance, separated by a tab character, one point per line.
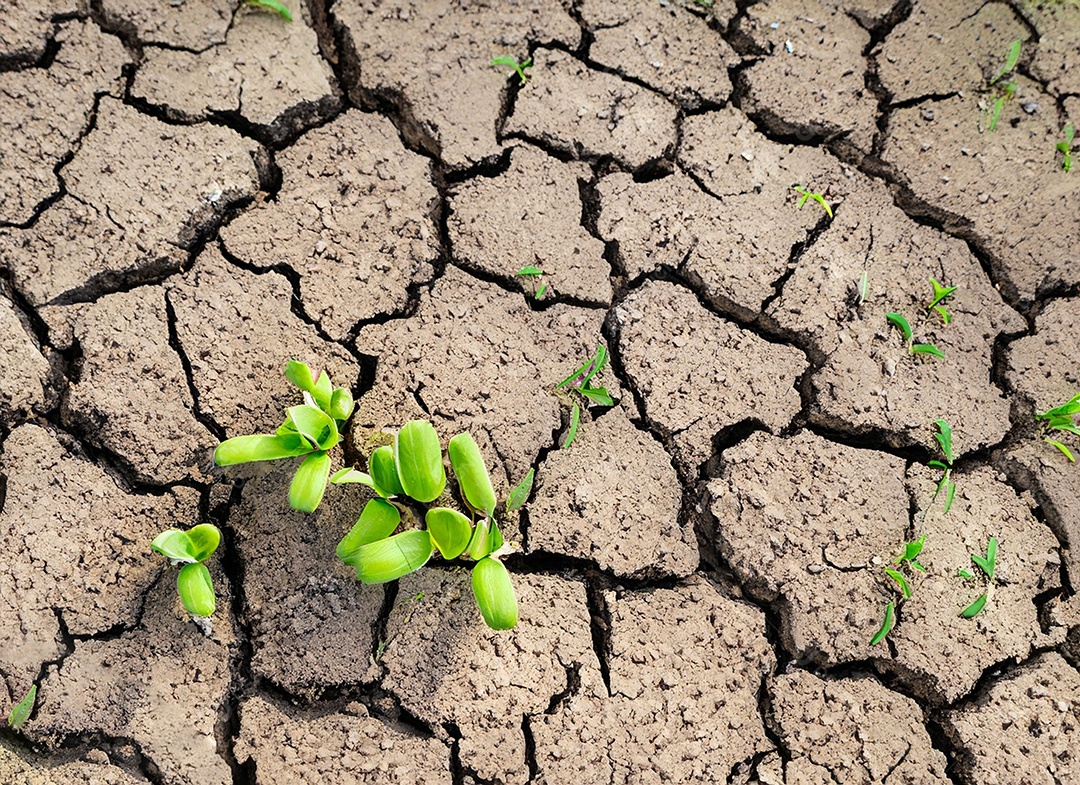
310	430
192	548
988	565
910	556
511	62
936	304
806	194
913	348
907	559
20	712
1065	148
580	382
864	286
272	5
1060	418
944	440
571	433
530	271
1011	59
521	492
886	625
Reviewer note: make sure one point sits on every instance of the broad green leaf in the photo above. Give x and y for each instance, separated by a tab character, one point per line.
481	543
419	461
886	625
323	392
912	549
247	449
315	425
927	348
1067	409
309	482
571	434
384	471
21	711
341	404
598	395
940	293
472	474
351	475
902	323
204	540
530	271
974	608
943	312
174	545
1064	450
520	494
449	530
944	440
495	594
1011	60
387	560
196	590
496	536
377	522
276	6
901	581
300	375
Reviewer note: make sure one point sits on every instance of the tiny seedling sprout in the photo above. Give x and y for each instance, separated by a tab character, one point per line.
945	464
937	302
531	271
886	625
580	382
1060	418
192	548
864	286
913	348
310	431
272	5
21	711
1065	148
805	194
908	560
511	62
987	565
1009	90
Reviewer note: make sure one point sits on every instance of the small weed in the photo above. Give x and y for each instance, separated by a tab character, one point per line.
310	430
272	5
937	302
887	624
580	382
530	271
192	548
1060	418
20	712
511	62
988	565
910	556
913	348
1009	89
1065	148
908	560
945	464
864	286
805	194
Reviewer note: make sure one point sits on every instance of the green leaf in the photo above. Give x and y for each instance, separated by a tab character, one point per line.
944	439
916	565
950	492
940	293
520	494
300	374
482	542
323	392
586	371
196	590
991	555
530	271
886	625
418	456
912	550
901	581
309	483
540	292
21	711
926	348
204	540
902	323
1064	450
174	545
995	114
351	475
968	574
943	312
387	560
315	425
598	395
449	530
571	434
1010	61
936	464
974	608
273	5
377	521
1067	409
384	471
864	286
472	474
495	594
341	404
824	205
247	449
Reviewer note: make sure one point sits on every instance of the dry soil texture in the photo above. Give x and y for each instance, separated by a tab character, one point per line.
736	199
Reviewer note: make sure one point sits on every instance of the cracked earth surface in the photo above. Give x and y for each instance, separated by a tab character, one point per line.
194	192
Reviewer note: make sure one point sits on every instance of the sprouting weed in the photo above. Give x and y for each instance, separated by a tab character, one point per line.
937	302
1009	89
1065	148
805	194
945	464
21	711
864	286
272	5
511	62
580	382
1060	418
886	625
532	272
988	566
907	561
913	348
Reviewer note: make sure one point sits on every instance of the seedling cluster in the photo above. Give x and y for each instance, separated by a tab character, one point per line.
1060	418
906	564
579	384
987	565
1008	90
936	305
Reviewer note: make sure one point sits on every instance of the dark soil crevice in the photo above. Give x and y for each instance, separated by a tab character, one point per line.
193	390
530	747
379	627
129	36
600	624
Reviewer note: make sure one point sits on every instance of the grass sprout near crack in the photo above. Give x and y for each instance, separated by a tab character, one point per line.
901	573
1061	418
579	385
1006	92
987	565
509	61
806	194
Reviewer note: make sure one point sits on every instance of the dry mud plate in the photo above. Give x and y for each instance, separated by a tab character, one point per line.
716	574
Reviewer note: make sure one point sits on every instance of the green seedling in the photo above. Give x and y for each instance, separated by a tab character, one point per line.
511	62
910	556
1009	89
272	5
309	431
913	348
1011	59
580	382
988	565
530	271
413	469
937	302
806	194
908	560
945	464
886	625
571	433
191	549
21	711
1065	148
864	287
1061	418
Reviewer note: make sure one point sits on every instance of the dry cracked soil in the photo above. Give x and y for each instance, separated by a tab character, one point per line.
194	192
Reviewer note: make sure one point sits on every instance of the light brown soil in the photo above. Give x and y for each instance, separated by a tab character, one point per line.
193	193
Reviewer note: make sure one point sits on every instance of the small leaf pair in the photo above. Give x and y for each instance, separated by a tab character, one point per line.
913	348
311	430
936	303
191	548
511	62
580	382
805	194
988	565
1060	418
1065	148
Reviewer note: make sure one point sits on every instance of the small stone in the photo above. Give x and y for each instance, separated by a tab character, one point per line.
928	115
815	569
